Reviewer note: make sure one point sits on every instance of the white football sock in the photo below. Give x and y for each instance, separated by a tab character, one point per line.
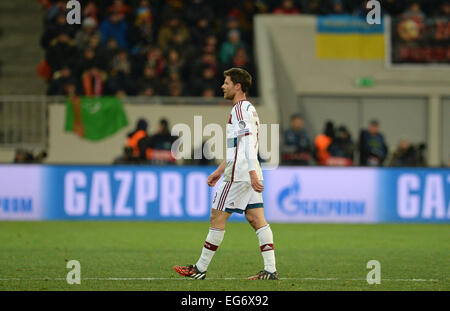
213	240
265	237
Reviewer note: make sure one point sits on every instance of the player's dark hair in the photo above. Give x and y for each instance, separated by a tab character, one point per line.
241	76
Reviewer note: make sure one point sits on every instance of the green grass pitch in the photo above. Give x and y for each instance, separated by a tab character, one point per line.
140	256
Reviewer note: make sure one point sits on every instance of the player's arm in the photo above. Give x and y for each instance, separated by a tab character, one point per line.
215	176
248	136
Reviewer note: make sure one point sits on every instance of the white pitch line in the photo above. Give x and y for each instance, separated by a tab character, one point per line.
179	278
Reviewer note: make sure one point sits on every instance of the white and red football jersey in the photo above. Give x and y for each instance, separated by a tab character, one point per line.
242	143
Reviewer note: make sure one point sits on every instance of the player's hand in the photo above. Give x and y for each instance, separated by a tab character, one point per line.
213	178
256	185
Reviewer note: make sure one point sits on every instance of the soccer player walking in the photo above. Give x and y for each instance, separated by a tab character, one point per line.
241	188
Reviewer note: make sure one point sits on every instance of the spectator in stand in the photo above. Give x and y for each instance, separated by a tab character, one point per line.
121	84
173	26
25	156
120	8
414	12
53	30
229	48
210	48
171	8
112	48
55	10
59	80
372	146
210	44
88	30
149	84
142	32
207	81
93	81
61	52
115	26
244	12
322	142
337	7
101	53
157	148
204	60
287	7
182	46
341	148
120	62
85	61
408	155
89	70
200	31
444	10
231	23
162	139
120	81
175	63
175	88
241	59
199	10
297	146
90	10
404	155
155	59
135	137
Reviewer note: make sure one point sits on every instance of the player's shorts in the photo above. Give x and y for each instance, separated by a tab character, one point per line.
236	197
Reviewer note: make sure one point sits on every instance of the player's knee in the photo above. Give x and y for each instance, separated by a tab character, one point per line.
216	221
252	220
256	221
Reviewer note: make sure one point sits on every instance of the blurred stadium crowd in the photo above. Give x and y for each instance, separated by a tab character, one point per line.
171	47
333	147
336	147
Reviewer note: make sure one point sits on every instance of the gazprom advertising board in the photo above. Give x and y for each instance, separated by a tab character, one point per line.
291	194
321	195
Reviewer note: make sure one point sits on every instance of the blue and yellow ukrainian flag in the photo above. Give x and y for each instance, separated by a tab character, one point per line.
348	37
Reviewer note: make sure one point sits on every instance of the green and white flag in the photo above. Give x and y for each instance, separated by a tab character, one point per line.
95	118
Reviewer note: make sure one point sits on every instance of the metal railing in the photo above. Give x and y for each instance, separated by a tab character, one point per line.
23	122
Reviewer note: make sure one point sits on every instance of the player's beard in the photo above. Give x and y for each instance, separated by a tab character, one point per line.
229	96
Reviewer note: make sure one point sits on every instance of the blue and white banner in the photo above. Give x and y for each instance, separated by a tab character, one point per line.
21	192
321	195
414	195
171	193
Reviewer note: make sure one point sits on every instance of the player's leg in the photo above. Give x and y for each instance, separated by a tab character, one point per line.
255	217
214	238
